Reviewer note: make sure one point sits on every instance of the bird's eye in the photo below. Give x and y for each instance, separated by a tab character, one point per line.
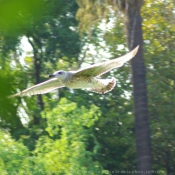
60	73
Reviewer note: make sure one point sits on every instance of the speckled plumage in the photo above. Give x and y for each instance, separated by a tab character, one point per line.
85	78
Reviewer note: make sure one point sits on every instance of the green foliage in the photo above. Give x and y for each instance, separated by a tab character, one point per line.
14	156
65	151
8	110
91	12
51	37
75	136
16	15
72	128
159	31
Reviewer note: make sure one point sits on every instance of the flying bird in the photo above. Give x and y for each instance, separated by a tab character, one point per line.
85	78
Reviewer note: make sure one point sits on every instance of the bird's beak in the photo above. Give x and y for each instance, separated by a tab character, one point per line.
51	75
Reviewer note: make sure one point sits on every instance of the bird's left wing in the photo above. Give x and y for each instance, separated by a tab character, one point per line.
102	68
41	88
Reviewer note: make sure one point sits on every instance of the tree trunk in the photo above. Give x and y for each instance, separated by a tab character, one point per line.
133	25
37	66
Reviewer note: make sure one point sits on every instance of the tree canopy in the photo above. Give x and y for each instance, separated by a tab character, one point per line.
75	131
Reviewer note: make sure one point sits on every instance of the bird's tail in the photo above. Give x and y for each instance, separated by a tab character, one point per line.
104	85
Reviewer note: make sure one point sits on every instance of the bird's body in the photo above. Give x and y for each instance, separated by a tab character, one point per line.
90	83
79	82
85	78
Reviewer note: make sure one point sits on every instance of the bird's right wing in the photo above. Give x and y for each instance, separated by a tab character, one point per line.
102	68
41	88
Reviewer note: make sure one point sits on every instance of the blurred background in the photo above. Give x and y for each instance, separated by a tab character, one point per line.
75	131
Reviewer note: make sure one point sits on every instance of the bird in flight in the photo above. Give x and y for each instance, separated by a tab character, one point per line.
85	78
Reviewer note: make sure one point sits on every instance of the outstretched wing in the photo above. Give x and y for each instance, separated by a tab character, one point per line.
41	88
102	68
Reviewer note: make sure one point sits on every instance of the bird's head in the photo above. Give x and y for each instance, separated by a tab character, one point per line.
62	75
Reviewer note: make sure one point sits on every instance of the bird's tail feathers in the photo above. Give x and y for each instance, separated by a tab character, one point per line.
104	86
